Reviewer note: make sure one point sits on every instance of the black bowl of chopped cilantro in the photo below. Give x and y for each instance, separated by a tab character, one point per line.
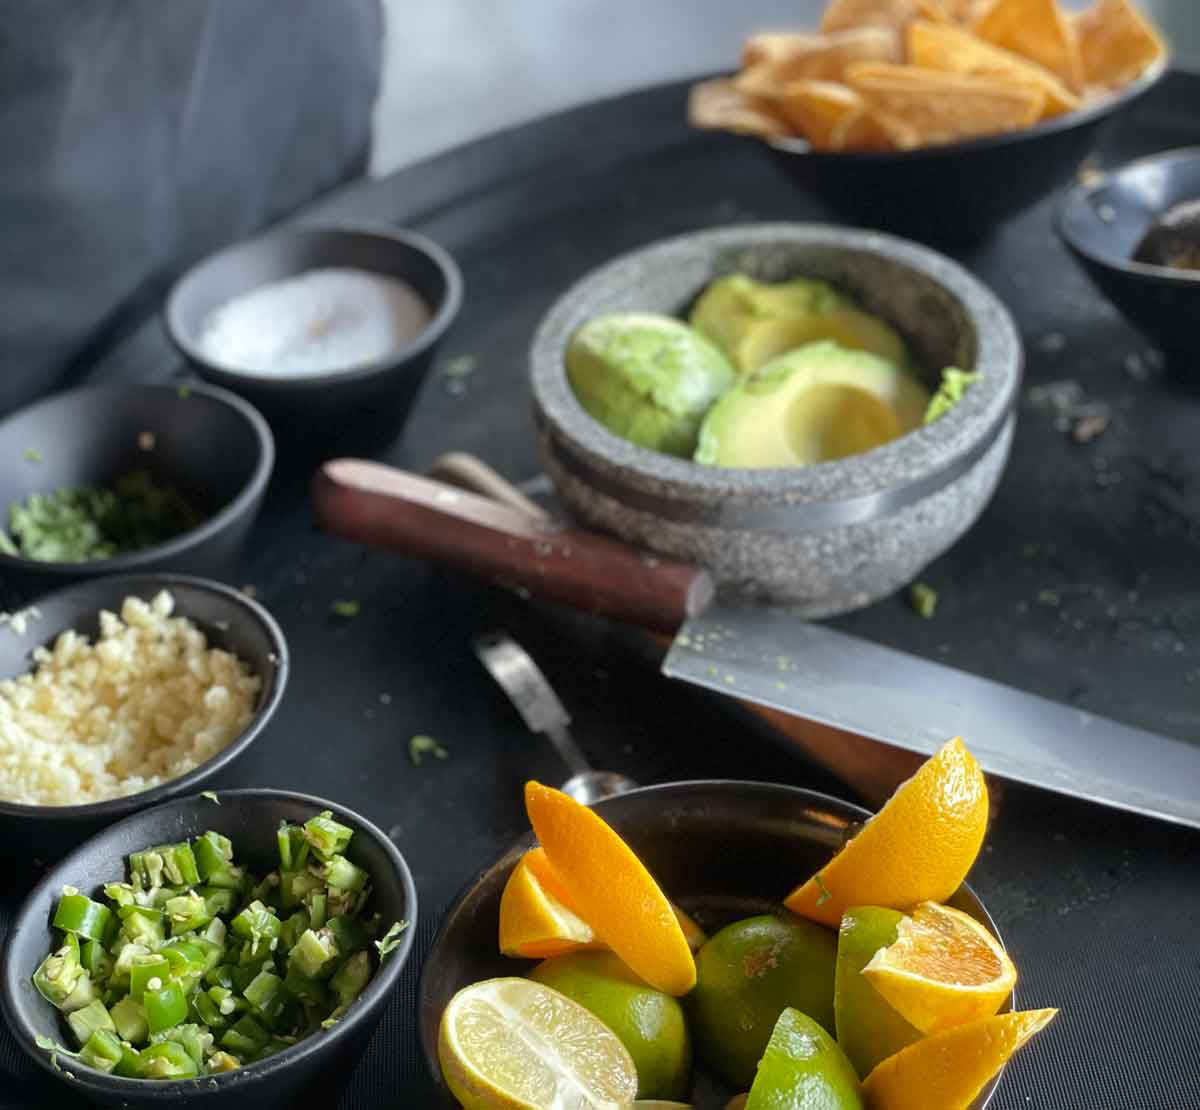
238	946
116	478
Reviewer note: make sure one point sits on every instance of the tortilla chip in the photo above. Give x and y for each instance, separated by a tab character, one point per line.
716	105
824	59
832	117
940	46
1117	43
935	11
847	15
1038	30
965	11
942	107
769	46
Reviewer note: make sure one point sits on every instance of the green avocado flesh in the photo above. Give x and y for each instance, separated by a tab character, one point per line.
647	378
754	321
815	404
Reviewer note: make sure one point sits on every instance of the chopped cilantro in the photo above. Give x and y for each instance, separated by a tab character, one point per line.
421	746
211	796
924	599
32	454
955	383
390	940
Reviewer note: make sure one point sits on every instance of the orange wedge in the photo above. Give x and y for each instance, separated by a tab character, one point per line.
918	848
944	969
612	890
534	924
948	1070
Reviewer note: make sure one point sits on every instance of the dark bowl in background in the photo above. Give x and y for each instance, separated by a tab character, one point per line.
32	835
722	850
1103	221
314	409
249	818
957	192
212	446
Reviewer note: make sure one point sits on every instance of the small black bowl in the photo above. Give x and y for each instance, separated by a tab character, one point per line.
210	445
249	818
312	408
228	618
1103	221
957	192
722	850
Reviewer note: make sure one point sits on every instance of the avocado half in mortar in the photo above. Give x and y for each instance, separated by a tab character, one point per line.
815	404
753	321
647	378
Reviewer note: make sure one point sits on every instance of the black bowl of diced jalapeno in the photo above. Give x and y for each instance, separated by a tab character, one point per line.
234	942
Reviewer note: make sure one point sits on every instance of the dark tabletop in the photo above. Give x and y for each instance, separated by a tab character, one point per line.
1080	582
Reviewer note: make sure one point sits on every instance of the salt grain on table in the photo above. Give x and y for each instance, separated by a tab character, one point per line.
320	322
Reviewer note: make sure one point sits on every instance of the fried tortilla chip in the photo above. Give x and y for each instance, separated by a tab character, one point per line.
769	46
716	105
846	15
1117	43
1038	30
824	59
832	116
944	47
941	107
964	11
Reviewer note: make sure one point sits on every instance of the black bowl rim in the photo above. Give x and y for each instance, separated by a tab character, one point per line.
867	485
1103	106
443	317
144	558
850	809
374	996
274	684
1079	195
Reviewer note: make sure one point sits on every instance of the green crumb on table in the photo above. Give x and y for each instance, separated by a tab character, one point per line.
824	895
421	746
924	599
460	367
77	524
211	796
955	383
32	454
390	940
345	609
183	392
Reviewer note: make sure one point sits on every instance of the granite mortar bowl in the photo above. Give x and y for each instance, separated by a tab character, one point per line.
723	850
826	538
31	835
212	446
1103	221
298	1075
368	402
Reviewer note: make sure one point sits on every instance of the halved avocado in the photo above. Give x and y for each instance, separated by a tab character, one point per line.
647	378
753	321
814	404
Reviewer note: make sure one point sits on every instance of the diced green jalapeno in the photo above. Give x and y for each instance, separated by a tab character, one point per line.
95	960
349	979
265	994
206	1011
349	934
327	836
196	1041
148	972
317	905
213	853
296	886
85	991
187	958
314	953
59	972
124	963
167	1060
130	1064
341	874
103	1050
77	913
87	1019
119	893
187	913
293	847
222	1061
130	1020
218	900
312	992
164	1007
143	925
245	1037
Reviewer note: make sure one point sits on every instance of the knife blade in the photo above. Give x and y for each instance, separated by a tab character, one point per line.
765	655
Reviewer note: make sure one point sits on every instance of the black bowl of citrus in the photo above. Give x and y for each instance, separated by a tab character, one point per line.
238	942
877	982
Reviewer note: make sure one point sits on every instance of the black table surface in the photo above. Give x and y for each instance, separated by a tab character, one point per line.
1079	582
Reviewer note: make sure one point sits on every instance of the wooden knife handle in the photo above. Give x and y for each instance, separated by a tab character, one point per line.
386	507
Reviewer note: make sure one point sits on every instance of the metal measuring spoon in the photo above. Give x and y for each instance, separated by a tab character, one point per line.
534	698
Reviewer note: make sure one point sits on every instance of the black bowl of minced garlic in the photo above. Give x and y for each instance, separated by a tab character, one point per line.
117	478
